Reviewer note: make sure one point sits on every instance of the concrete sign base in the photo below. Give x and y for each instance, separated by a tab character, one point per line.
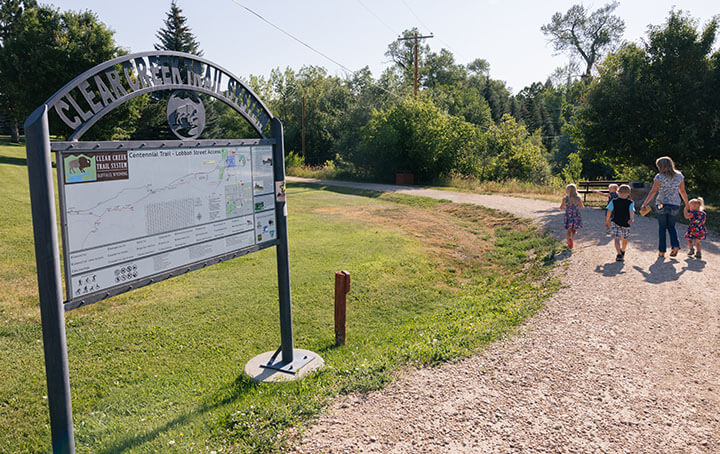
266	369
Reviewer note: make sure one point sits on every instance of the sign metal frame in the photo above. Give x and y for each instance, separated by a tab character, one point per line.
103	89
73	147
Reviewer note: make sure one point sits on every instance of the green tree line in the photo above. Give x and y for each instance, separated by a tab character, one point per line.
631	103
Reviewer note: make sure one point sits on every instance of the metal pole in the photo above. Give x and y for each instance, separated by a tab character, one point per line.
47	257
283	261
415	82
303	130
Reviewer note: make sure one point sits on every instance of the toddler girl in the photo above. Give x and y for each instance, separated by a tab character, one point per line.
572	204
697	231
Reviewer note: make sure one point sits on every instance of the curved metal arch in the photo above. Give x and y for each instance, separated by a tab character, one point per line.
83	128
77	82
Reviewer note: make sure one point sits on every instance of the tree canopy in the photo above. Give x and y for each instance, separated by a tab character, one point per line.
659	98
42	49
589	36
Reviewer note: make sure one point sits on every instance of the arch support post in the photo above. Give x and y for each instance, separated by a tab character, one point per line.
47	257
283	260
293	363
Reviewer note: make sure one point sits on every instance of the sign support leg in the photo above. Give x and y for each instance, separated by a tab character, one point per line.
283	261
294	363
47	256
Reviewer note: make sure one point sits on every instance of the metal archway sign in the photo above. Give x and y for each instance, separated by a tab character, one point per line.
137	212
96	92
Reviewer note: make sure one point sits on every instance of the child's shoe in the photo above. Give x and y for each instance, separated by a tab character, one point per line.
691	251
570	243
619	257
698	255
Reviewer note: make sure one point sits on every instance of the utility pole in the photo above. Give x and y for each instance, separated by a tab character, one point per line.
415	37
303	130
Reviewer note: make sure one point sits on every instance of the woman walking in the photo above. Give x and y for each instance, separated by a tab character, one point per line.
669	185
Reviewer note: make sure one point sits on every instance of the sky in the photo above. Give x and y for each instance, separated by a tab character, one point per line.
356	33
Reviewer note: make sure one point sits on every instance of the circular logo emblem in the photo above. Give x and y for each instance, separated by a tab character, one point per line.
186	115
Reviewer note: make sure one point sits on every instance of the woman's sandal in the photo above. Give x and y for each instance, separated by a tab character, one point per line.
661	254
674	251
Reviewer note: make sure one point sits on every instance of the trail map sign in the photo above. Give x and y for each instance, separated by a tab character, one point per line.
135	213
129	215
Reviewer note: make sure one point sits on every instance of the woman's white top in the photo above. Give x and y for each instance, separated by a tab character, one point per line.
669	192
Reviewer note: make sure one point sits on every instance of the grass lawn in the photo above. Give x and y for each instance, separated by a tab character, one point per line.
160	369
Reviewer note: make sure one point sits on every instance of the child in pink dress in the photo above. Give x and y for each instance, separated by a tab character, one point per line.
696	229
572	203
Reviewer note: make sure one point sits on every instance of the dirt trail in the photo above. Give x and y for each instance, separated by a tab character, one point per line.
625	358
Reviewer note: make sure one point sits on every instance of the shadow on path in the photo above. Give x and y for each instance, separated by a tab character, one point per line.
663	270
611	269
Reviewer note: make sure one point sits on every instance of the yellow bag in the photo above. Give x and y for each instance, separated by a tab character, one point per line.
645	210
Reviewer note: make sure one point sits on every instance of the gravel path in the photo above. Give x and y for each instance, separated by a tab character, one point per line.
625	358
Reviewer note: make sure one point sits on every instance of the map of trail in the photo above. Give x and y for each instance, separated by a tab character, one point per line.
203	201
183	188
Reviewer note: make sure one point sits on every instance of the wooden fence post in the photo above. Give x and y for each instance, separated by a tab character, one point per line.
342	287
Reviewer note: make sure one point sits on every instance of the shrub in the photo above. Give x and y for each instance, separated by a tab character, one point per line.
517	155
415	136
572	170
293	159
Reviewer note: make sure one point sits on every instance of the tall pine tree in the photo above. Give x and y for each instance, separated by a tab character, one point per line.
176	34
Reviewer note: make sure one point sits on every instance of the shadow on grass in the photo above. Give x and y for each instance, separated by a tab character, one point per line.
13	161
240	387
383	194
5	141
16	161
336	189
329	347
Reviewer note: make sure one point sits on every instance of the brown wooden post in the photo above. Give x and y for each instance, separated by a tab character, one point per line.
342	287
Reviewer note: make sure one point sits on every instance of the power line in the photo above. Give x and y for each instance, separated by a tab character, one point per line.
347	70
449	47
377	17
292	36
416	16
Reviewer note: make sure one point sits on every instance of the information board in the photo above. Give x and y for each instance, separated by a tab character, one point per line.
130	214
137	212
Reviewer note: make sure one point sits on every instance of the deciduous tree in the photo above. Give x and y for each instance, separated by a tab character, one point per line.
43	48
401	53
659	98
588	35
12	20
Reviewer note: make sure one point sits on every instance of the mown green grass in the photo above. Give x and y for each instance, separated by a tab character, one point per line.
160	369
